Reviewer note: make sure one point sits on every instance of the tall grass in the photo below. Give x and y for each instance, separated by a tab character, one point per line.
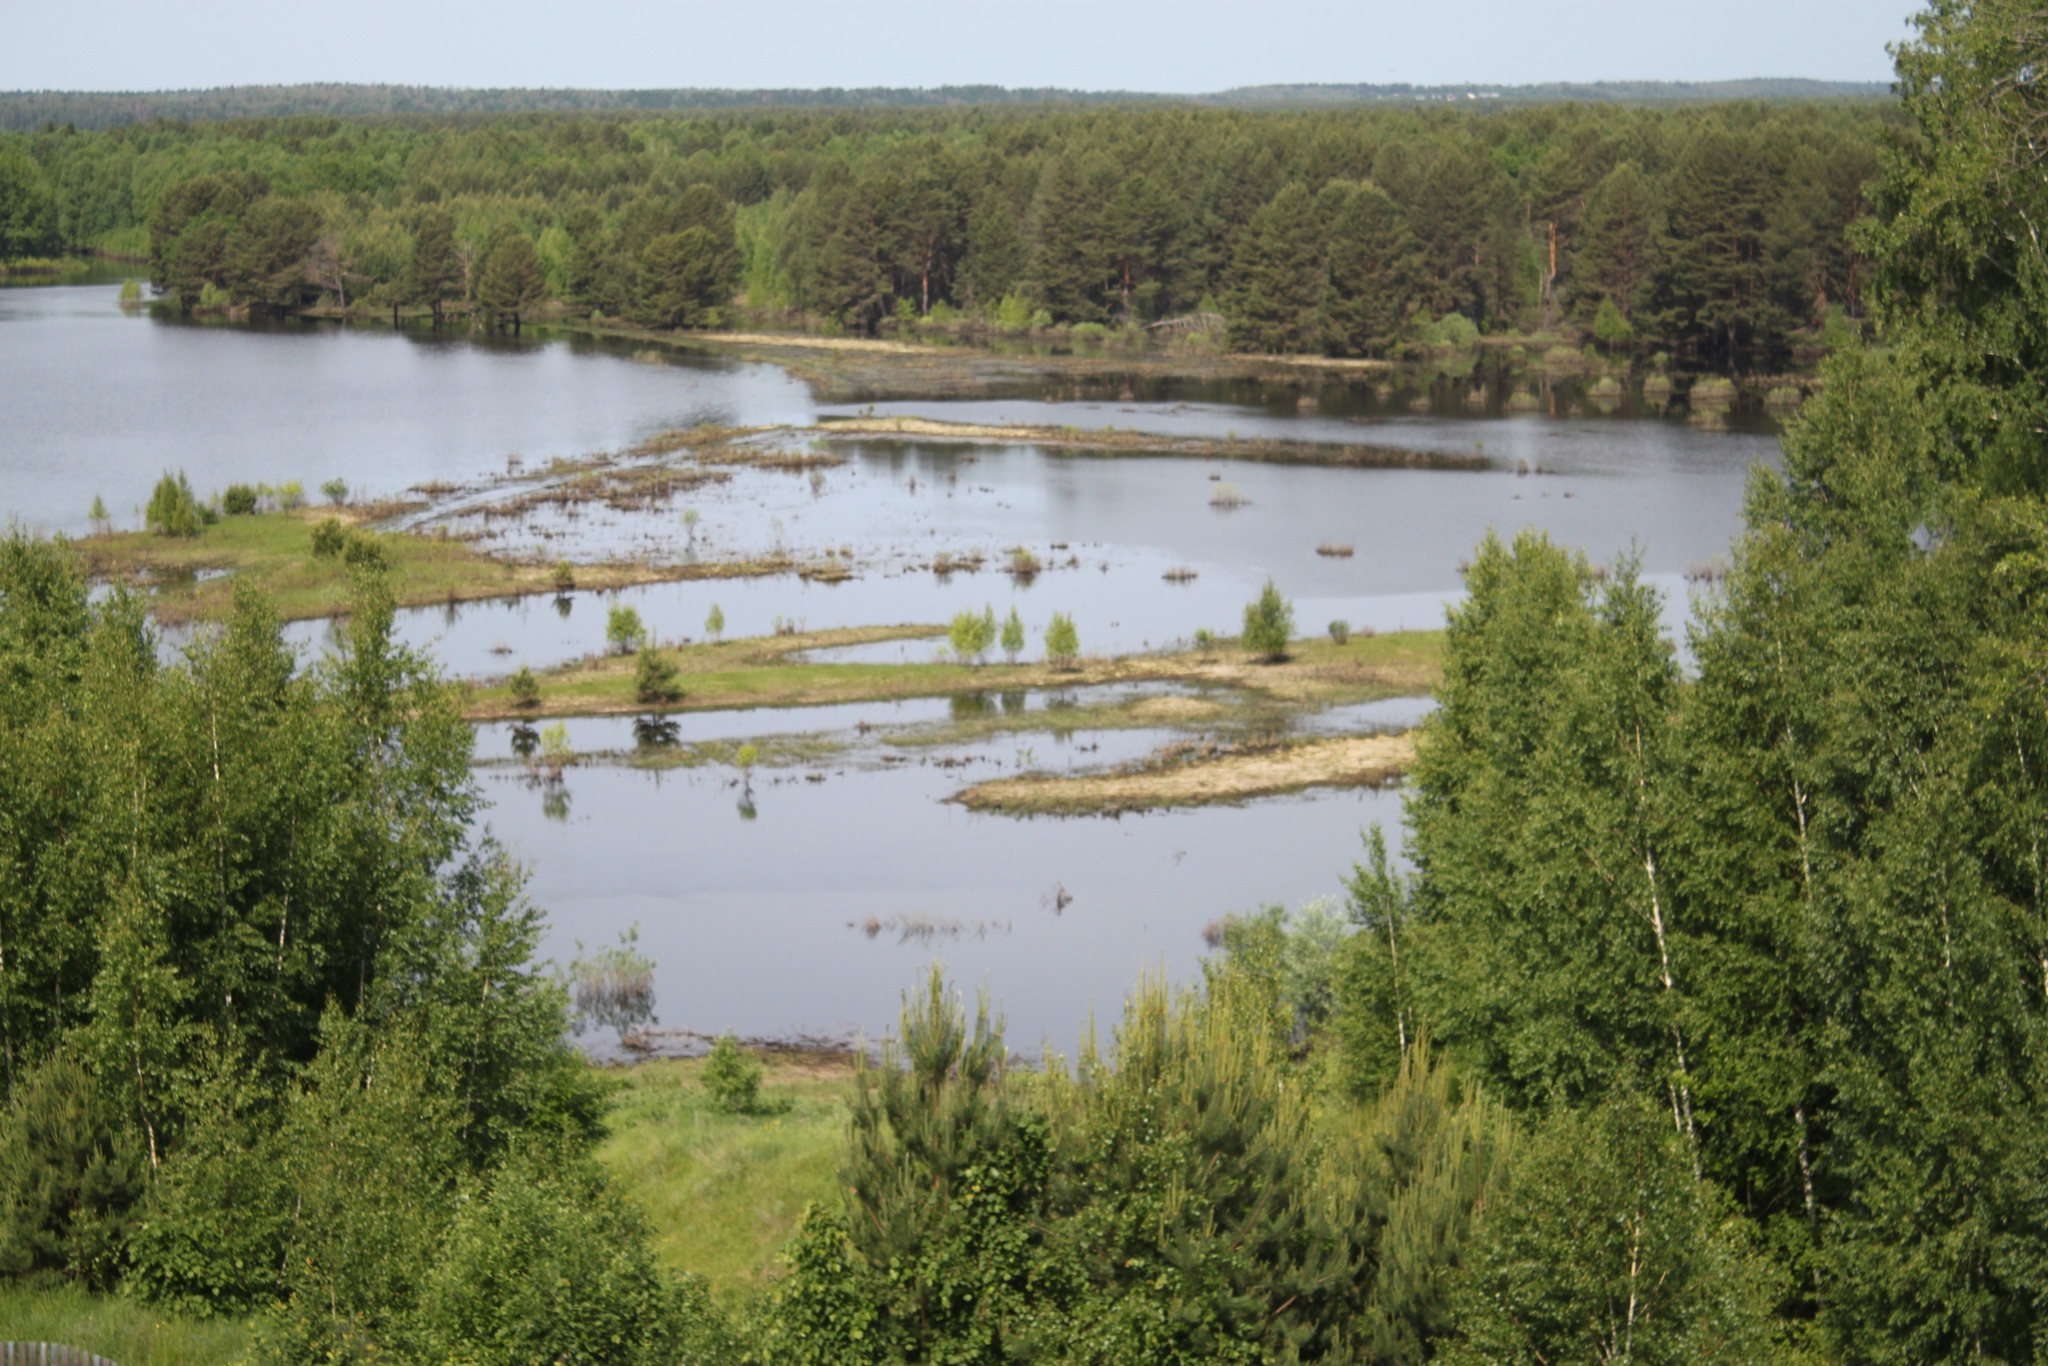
118	1329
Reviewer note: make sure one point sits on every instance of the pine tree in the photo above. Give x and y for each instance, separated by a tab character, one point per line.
1278	275
512	280
432	272
1372	284
1617	249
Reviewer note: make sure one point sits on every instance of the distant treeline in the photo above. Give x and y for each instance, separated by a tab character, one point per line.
26	109
1717	233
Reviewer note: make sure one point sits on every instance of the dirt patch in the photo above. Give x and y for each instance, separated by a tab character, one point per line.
1200	776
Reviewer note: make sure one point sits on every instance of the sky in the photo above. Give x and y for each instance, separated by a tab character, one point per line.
1184	46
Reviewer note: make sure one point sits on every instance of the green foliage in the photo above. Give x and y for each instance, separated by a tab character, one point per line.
330	538
335	491
1610	328
1340	632
714	622
623	630
119	1328
1606	1246
524	687
563	576
172	510
71	1173
731	1078
511	281
28	209
433	271
1268	623
971	634
654	676
1062	642
1013	313
550	1263
1013	635
238	501
98	514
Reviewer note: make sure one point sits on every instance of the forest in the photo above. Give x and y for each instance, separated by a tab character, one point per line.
1715	234
1704	1021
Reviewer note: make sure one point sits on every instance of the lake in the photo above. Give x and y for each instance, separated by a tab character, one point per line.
812	908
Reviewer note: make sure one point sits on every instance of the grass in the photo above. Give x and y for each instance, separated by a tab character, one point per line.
275	550
762	672
1091	441
724	1192
119	1329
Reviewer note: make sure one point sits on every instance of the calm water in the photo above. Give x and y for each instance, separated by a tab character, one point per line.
761	921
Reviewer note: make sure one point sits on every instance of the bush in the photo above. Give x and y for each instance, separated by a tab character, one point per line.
555	1266
359	550
328	538
172	510
1340	631
563	577
972	633
1013	314
336	491
238	501
731	1078
525	687
1062	642
714	622
1013	635
1269	624
654	676
623	630
1609	327
1089	332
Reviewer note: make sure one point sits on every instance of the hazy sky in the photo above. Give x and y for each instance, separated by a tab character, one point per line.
1165	45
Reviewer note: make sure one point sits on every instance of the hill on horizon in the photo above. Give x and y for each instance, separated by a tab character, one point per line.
26	109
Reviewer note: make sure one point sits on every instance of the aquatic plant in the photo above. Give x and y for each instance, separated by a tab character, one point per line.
1179	574
613	988
1062	642
1227	496
335	491
731	1078
524	687
1335	550
1268	624
1023	563
555	754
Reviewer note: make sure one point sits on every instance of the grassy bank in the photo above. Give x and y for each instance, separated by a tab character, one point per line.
1200	775
119	1329
1104	441
725	1191
767	673
193	577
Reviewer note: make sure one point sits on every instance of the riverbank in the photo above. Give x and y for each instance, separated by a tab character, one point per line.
1112	442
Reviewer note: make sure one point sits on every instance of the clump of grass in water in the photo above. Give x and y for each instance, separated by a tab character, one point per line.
1227	496
614	987
1336	550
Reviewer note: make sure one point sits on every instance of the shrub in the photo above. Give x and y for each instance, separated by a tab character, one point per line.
525	687
328	538
1013	635
714	623
359	550
564	577
1204	638
623	630
731	1077
555	754
1089	332
1268	624
291	494
972	633
172	510
551	1265
1340	631
654	676
335	490
1062	642
1013	314
238	501
98	515
1610	328
1040	320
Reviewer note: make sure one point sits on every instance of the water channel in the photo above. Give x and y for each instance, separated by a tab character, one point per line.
809	906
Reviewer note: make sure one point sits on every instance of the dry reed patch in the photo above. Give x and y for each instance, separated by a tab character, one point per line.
1173	778
1175	711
